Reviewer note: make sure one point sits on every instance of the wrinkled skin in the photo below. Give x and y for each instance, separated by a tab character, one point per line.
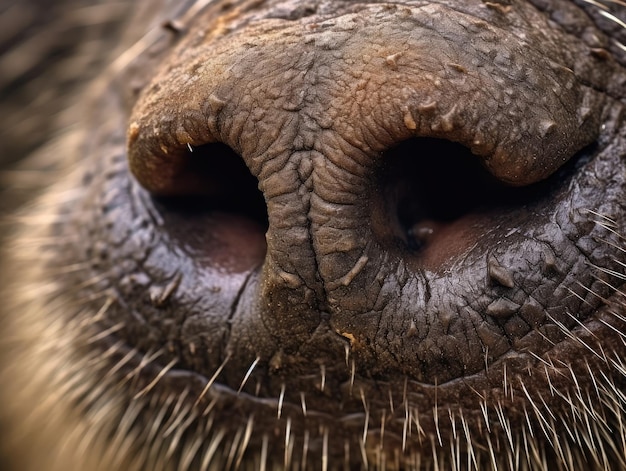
332	235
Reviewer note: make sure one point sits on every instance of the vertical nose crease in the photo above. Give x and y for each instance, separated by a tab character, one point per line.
317	239
316	222
339	219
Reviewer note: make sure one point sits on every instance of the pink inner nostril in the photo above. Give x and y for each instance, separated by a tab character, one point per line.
214	209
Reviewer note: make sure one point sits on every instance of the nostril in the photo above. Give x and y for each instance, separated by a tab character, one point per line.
209	201
221	181
438	180
212	176
432	196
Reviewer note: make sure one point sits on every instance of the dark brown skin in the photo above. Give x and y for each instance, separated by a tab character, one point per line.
335	235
